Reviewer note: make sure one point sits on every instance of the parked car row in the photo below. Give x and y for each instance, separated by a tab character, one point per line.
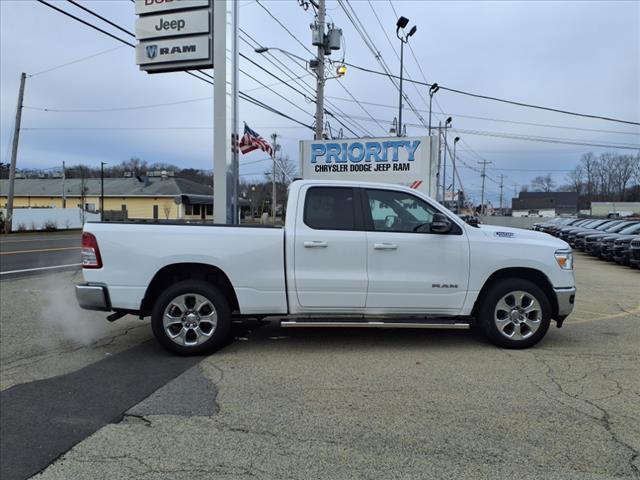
616	240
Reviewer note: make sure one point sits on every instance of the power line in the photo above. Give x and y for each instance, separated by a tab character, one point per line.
512	136
118	109
242	95
304	94
90	25
487	97
309	51
74	61
370	44
501	120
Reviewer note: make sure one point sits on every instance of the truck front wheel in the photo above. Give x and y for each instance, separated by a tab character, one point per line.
191	317
514	313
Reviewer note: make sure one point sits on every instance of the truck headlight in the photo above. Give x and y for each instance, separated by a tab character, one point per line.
564	259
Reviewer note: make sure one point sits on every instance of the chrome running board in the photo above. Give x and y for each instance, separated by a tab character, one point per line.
376	324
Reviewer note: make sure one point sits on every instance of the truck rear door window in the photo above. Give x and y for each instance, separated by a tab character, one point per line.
330	208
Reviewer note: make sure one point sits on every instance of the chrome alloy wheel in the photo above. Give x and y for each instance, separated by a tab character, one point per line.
518	315
190	319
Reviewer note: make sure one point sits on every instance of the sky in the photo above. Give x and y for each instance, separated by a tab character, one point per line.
576	56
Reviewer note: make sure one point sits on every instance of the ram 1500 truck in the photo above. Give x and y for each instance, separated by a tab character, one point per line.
351	254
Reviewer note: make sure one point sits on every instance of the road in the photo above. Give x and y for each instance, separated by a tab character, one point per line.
86	399
22	254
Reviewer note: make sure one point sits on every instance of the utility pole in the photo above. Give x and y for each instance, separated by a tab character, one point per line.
439	159
483	175
14	155
274	138
64	187
501	187
319	76
102	191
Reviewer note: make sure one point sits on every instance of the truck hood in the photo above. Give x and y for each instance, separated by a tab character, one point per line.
520	235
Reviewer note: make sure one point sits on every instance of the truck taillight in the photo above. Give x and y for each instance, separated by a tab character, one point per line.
90	252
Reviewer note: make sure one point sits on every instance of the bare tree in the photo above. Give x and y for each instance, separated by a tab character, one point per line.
575	180
543	183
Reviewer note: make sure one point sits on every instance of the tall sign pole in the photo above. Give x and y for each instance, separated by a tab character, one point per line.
14	154
320	74
225	111
193	35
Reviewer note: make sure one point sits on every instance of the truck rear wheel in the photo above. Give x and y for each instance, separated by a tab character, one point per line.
191	317
514	313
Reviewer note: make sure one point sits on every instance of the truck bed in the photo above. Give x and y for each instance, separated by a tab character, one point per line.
132	253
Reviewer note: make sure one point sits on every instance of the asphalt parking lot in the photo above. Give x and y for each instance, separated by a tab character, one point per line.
329	404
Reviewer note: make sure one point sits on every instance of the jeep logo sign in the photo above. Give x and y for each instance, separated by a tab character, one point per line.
175	50
172	24
152	6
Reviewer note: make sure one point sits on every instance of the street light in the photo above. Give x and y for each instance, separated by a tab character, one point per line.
447	124
289	54
401	24
453	187
433	89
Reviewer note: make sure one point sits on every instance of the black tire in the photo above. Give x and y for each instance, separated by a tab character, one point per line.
219	333
487	314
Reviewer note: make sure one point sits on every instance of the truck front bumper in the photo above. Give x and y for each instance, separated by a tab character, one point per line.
565	298
93	297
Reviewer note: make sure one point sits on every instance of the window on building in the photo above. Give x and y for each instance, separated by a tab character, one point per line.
123	207
155	212
188	209
330	208
196	209
209	210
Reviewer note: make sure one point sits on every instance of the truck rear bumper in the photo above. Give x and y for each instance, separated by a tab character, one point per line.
93	297
566	299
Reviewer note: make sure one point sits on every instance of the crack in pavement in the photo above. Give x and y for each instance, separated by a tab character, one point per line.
603	416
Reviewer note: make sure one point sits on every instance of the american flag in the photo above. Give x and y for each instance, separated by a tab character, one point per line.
251	140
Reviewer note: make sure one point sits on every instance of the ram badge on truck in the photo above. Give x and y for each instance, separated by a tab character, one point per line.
349	251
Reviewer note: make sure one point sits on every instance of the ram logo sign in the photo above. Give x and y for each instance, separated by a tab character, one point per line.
408	161
152	51
163	51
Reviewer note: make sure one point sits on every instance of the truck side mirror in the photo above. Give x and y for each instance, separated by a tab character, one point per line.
440	223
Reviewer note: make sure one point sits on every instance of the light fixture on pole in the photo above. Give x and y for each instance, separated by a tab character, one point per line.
433	89
453	185
401	24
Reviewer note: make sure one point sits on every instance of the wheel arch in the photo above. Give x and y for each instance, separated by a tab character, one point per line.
531	274
171	274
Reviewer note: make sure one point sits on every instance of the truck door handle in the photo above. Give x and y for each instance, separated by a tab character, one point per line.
385	246
315	244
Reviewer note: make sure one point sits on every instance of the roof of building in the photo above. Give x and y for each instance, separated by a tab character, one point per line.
560	201
113	187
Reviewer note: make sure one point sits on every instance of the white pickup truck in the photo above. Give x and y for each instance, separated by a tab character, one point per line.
351	254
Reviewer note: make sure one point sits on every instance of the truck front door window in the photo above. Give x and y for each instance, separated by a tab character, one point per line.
398	211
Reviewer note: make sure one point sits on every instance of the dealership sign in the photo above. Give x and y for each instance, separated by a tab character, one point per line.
174	35
405	160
